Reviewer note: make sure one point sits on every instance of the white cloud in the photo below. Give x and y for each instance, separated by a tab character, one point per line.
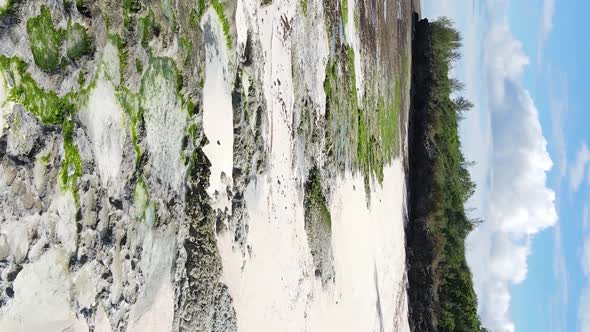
558	108
519	204
548	13
578	169
545	27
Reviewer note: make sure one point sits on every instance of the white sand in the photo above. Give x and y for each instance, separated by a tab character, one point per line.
158	316
42	298
369	254
218	114
275	289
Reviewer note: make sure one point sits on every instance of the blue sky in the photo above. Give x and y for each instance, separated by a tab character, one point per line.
523	65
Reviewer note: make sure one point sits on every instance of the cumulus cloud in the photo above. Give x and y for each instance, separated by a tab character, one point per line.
545	27
578	169
520	204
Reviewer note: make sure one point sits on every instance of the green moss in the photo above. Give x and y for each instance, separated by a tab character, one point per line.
83	7
220	11
51	110
138	66
45	40
159	68
4	9
81	79
388	112
140	199
45	105
363	137
357	18
71	168
315	202
202	6
192	19
45	159
186	47
130	7
147	28
352	91
168	11
304	6
265	2
123	54
344	11
77	41
193	131
130	102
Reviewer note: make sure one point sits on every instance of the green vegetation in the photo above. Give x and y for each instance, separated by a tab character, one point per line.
83	7
48	107
186	46
71	168
202	6
362	135
315	202
77	41
122	50
147	28
159	68
130	103
4	9
168	11
138	66
130	7
134	104
318	227
343	113
45	159
220	11
304	6
344	11
140	199
45	105
81	78
45	40
447	223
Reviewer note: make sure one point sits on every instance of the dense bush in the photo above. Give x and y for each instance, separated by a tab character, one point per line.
448	224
